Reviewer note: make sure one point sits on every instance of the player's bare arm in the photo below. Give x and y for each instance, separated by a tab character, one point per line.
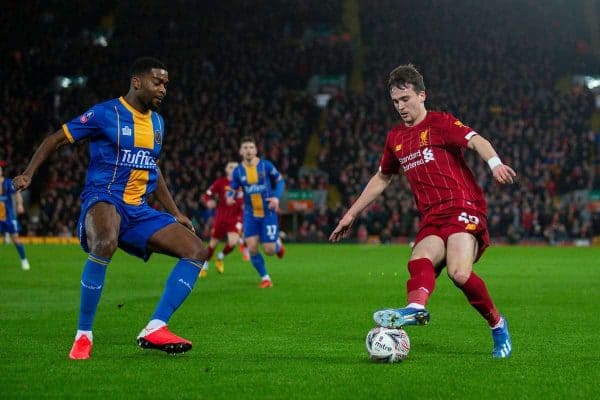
211	203
19	203
502	172
377	184
208	199
164	197
47	148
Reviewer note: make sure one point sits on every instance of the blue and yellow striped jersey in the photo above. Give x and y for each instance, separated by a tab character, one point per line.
258	184
124	147
7	209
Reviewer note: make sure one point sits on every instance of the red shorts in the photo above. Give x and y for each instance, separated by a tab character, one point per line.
222	227
455	220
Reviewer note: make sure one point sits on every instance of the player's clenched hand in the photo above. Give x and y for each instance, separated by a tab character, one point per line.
211	204
21	182
273	203
504	174
343	228
185	221
230	201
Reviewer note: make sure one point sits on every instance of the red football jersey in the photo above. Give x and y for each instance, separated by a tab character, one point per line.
219	189
430	154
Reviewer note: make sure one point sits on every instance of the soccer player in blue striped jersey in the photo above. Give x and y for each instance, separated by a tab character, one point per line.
8	217
125	139
263	186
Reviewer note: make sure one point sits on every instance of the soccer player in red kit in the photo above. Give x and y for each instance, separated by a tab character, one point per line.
228	220
427	148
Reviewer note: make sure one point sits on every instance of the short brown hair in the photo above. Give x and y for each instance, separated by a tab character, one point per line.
405	74
247	139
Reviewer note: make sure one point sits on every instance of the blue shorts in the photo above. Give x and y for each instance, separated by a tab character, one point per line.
138	223
267	227
11	226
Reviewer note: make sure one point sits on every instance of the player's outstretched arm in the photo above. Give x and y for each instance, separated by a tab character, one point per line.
374	188
164	197
207	198
19	203
48	146
502	172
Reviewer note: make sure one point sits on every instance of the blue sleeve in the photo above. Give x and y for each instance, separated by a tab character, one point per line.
235	183
9	189
159	133
273	172
277	178
279	185
85	125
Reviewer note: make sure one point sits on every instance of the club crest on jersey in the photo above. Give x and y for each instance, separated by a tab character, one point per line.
126	131
157	137
86	117
424	138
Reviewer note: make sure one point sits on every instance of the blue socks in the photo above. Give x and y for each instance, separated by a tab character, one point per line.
21	250
259	264
92	283
179	285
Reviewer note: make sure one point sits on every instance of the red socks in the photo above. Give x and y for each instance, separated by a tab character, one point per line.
422	280
479	297
209	252
227	249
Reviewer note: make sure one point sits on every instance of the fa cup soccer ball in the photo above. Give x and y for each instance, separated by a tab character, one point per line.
387	345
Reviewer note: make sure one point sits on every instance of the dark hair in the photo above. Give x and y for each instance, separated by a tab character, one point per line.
405	74
145	64
247	139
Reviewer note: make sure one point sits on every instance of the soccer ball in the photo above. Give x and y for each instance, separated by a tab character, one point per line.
387	345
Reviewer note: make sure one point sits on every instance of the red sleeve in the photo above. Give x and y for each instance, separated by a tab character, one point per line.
389	163
457	133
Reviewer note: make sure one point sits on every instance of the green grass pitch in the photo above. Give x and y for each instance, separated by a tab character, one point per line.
304	338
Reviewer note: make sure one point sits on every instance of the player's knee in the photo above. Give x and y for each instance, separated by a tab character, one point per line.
252	249
197	251
104	247
459	276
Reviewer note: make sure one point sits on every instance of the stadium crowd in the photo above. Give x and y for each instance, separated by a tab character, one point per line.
502	82
233	76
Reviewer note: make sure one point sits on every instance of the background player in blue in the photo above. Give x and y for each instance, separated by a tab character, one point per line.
8	217
125	139
262	185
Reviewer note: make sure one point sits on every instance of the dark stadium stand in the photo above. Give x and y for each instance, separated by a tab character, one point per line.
242	68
